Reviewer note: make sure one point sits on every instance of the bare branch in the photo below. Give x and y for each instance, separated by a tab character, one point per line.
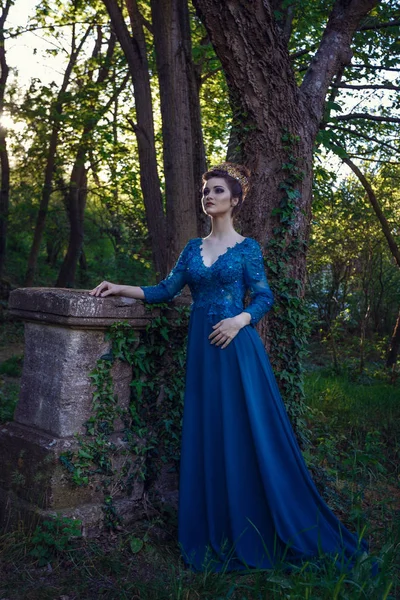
366	137
147	24
210	74
375	160
20	31
379	26
301	52
348	86
368	117
334	51
373	67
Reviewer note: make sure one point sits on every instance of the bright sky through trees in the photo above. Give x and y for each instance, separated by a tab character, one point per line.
26	52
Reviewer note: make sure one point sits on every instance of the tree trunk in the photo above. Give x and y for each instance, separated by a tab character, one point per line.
394	348
56	112
168	23
394	249
278	125
76	202
135	52
198	150
4	162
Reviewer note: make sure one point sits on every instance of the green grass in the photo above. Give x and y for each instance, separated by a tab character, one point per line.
108	569
355	429
359	403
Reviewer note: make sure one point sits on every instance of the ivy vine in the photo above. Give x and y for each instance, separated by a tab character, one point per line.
290	325
151	425
151	428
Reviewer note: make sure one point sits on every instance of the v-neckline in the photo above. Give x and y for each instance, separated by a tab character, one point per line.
219	255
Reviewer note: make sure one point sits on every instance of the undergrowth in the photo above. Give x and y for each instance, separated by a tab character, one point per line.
355	429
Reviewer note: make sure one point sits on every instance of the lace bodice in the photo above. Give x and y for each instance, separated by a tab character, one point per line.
221	288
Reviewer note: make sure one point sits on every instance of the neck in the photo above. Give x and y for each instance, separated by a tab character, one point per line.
222	227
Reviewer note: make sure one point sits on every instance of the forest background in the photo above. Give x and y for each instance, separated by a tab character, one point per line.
109	114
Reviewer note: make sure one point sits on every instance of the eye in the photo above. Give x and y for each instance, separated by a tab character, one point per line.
219	190
206	191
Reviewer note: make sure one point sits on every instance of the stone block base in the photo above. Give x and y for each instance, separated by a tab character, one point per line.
34	485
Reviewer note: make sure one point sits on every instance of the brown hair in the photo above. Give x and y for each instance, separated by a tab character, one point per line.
237	181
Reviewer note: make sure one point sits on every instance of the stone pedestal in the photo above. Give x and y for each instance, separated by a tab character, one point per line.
64	337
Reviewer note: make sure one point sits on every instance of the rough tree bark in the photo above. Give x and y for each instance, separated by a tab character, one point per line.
55	114
134	48
4	162
267	100
171	31
268	104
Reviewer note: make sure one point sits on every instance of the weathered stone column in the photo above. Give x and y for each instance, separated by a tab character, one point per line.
64	337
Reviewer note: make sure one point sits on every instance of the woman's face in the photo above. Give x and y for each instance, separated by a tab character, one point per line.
217	198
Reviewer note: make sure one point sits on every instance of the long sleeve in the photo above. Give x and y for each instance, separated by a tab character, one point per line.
172	285
261	296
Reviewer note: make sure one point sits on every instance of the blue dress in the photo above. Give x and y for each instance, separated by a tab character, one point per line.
246	498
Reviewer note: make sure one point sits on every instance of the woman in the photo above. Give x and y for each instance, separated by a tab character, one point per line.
246	498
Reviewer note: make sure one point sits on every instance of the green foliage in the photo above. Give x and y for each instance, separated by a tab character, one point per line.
12	366
290	324
356	427
152	424
9	392
145	559
353	280
52	538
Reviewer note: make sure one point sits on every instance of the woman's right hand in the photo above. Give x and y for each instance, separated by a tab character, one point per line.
106	288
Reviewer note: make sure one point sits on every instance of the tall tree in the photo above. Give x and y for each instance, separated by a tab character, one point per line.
393	247
134	47
278	123
56	122
181	126
76	192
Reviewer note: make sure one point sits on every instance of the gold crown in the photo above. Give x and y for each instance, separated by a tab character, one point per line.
233	172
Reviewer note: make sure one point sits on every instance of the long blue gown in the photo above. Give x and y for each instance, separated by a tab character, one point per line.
246	498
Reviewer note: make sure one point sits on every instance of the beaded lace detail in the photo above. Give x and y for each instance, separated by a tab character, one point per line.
220	288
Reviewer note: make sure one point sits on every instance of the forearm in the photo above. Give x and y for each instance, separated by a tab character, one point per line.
243	319
131	291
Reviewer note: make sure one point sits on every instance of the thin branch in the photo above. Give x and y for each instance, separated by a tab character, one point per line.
301	52
379	26
373	67
367	137
333	52
368	117
377	209
210	74
375	160
19	32
348	86
147	24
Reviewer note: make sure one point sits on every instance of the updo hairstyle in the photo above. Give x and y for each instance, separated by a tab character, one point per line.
237	180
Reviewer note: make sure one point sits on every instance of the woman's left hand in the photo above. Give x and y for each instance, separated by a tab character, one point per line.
227	329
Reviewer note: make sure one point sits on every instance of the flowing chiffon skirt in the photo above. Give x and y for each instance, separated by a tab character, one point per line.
246	497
